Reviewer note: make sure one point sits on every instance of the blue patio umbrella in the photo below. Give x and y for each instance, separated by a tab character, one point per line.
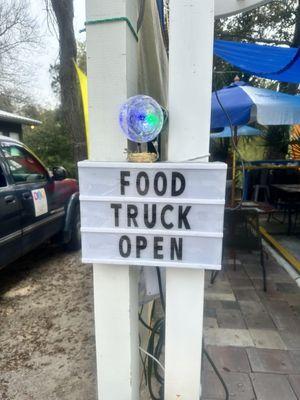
241	131
244	103
240	103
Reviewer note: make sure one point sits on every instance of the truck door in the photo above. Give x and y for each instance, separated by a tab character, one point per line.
41	218
10	219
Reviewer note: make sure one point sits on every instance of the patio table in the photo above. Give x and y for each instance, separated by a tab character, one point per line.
291	196
270	165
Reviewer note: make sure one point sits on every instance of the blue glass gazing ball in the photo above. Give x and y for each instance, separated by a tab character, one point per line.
141	118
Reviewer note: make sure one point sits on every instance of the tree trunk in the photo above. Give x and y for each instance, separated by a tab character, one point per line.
296	39
70	93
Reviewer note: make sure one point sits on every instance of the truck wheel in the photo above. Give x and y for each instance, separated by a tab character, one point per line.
75	241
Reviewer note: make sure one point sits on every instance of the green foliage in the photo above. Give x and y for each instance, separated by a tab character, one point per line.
277	23
54	73
252	148
54	68
277	140
273	23
224	74
219	149
50	141
81	56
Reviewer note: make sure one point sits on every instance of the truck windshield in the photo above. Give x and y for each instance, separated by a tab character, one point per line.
23	165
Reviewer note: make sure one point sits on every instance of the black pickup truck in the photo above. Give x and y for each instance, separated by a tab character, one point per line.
35	204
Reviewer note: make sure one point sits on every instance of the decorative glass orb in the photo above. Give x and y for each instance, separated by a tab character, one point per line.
141	118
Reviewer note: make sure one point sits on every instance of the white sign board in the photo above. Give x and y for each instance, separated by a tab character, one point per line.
161	214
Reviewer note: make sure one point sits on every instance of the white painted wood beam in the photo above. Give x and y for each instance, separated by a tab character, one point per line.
112	78
190	83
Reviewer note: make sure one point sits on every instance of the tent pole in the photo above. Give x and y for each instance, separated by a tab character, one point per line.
233	167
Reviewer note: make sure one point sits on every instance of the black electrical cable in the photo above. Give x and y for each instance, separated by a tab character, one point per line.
157	353
217	373
152	349
144	367
149	365
161	338
144	323
233	143
161	292
143	362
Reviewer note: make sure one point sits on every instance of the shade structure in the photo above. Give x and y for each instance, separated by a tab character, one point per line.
271	62
241	131
244	103
240	103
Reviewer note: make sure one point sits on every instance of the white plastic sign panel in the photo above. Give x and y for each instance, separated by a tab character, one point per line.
162	214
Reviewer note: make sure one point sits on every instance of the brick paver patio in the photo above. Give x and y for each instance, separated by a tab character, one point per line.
252	336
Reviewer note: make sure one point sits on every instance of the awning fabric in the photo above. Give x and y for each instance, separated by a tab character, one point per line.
244	103
235	102
242	131
271	62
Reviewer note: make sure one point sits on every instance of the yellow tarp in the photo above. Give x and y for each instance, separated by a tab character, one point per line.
84	94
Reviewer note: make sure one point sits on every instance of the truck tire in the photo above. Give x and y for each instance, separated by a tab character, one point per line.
75	241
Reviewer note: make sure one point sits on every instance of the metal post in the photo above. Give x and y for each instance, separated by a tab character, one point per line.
191	56
112	78
233	184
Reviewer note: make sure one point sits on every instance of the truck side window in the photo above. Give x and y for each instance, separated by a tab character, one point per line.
24	167
2	178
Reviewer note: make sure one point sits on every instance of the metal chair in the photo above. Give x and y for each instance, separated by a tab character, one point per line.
263	187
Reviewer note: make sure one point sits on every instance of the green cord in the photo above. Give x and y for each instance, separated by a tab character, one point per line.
108	20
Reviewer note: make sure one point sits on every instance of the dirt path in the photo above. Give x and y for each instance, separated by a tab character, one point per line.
46	328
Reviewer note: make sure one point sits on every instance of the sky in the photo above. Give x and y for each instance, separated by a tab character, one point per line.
41	91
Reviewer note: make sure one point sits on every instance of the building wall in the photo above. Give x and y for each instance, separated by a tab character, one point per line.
10	129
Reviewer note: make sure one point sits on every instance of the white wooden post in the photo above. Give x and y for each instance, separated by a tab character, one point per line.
112	75
190	82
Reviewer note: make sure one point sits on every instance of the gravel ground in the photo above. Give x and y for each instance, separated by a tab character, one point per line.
47	349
